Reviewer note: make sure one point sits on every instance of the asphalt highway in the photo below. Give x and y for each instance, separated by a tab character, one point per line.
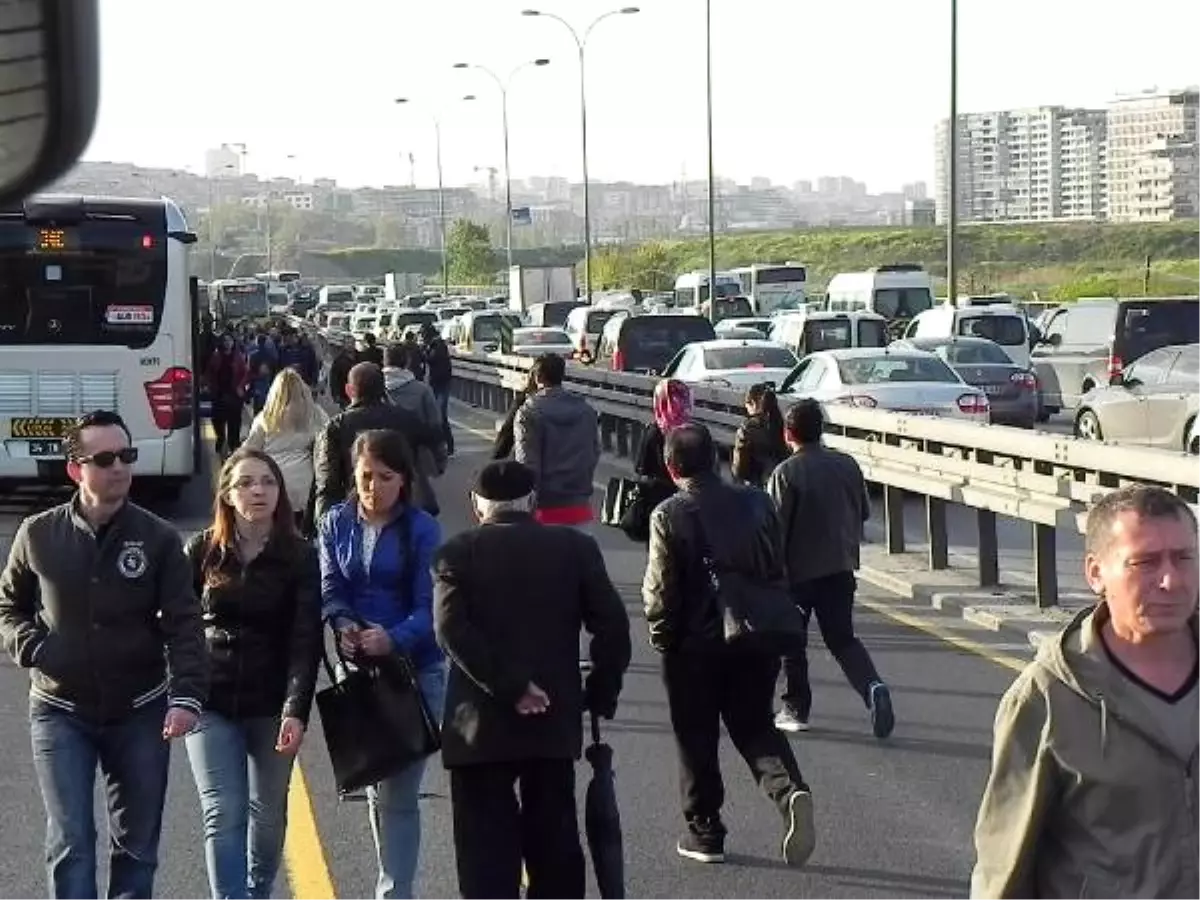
894	817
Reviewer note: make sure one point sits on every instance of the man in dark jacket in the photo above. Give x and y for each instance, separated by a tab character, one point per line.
822	501
369	409
556	433
339	374
707	680
97	602
510	598
437	360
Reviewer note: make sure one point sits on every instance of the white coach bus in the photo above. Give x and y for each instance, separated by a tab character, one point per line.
98	311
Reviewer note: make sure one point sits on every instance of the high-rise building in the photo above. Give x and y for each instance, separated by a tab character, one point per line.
1152	146
1043	163
222	162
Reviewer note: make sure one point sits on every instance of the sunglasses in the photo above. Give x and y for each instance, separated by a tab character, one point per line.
106	458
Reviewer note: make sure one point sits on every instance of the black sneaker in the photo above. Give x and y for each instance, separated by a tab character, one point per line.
879	701
702	848
799	834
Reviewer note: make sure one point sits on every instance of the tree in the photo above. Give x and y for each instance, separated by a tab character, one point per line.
469	252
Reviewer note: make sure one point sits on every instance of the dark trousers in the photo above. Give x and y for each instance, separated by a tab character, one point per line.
133	758
442	395
831	600
227	423
508	812
705	689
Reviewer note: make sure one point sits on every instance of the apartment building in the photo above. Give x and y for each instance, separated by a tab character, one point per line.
1152	149
1039	164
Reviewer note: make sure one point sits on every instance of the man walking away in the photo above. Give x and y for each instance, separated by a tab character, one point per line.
822	500
1092	791
707	680
437	359
369	351
97	602
339	374
556	434
369	409
510	598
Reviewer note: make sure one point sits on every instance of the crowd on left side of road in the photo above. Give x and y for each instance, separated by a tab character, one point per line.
134	639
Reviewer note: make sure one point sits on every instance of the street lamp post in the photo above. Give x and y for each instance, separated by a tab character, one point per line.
952	206
712	179
437	135
503	84
581	44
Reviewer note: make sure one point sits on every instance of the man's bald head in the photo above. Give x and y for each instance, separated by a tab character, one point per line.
365	383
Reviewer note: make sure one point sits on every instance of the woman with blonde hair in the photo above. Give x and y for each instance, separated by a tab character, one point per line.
285	430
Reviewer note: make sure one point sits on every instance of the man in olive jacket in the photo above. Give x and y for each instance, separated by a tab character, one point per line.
1093	785
510	598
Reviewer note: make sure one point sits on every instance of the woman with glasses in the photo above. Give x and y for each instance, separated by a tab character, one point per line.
259	587
286	430
376	583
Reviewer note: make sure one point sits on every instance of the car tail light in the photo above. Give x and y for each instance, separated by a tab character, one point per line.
860	400
975	404
618	361
1026	380
170	397
1115	366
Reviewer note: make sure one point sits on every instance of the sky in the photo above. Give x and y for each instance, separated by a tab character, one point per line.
801	88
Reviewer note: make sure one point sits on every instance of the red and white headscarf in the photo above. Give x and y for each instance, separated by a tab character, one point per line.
672	404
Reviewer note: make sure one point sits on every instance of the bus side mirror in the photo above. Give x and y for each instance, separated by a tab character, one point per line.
49	78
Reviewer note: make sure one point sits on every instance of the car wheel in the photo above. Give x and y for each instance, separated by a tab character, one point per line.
1087	426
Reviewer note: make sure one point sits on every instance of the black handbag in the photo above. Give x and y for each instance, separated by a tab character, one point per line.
628	503
375	718
757	612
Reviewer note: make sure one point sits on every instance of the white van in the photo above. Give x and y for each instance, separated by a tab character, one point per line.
1007	326
807	331
691	289
897	292
584	326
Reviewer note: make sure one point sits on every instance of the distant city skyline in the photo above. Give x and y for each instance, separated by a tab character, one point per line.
794	96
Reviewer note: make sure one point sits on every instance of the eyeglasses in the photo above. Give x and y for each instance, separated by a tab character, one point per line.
245	484
105	458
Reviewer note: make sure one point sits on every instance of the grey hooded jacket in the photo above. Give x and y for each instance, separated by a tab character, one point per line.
556	434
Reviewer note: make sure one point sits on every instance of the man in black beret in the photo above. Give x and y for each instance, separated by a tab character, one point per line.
510	599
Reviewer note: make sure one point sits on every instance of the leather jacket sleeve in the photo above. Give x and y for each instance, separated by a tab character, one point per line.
307	633
661	598
330	480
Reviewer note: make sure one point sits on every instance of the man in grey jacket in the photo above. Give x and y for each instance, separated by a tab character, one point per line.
97	602
407	391
556	434
823	503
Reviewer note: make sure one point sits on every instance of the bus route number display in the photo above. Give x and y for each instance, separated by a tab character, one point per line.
51	240
129	315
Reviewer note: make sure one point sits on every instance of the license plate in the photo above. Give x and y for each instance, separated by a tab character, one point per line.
45	448
40	428
993	390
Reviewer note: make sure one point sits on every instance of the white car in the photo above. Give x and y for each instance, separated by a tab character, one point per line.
541	342
761	324
731	363
907	381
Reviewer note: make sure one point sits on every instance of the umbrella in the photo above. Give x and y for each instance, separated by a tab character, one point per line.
602	819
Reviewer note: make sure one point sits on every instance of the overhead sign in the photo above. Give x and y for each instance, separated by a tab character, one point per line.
521	215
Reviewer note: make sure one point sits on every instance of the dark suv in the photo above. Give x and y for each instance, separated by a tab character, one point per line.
646	344
1088	343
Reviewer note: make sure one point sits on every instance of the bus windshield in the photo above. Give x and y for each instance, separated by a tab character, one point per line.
95	282
248	298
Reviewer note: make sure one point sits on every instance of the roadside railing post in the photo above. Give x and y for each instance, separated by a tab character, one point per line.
893	516
989	549
1045	567
935	523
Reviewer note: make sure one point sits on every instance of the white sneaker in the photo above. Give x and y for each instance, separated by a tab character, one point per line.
786	720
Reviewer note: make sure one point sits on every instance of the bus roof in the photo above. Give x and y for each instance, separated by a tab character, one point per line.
68	209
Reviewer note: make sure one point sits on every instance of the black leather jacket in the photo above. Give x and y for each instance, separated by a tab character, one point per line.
262	627
742	533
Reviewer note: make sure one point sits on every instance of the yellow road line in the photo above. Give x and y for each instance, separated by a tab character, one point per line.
303	856
998	657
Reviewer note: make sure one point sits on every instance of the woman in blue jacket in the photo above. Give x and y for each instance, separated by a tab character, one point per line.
376	556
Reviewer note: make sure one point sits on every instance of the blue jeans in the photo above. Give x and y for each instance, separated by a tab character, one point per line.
392	807
243	785
134	759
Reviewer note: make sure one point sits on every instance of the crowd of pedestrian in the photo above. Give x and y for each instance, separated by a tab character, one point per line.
329	523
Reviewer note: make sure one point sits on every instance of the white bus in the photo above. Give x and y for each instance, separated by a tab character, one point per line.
772	288
97	311
238	298
691	289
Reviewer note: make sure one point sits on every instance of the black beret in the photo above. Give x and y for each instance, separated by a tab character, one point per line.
504	479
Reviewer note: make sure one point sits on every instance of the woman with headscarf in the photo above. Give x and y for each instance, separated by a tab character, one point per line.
672	408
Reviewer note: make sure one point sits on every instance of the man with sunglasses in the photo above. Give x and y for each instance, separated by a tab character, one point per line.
95	590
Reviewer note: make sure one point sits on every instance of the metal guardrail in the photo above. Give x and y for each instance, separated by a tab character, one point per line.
1045	479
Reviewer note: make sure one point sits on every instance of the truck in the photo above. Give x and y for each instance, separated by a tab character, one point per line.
398	285
529	285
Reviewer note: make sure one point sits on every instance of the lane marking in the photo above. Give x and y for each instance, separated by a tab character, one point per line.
996	657
303	855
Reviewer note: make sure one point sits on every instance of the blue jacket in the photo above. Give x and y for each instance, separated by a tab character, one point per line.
375	595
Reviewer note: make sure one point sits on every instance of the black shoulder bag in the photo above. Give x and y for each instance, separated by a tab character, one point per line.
375	719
